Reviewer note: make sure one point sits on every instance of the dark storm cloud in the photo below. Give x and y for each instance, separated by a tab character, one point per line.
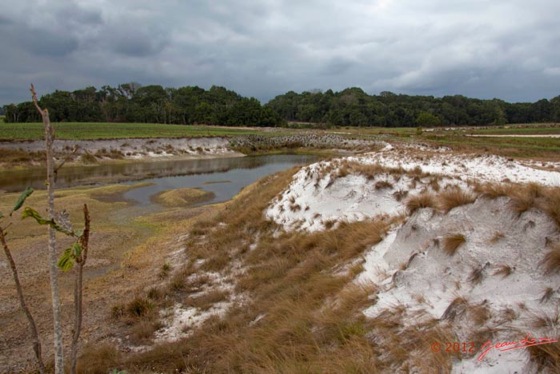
505	49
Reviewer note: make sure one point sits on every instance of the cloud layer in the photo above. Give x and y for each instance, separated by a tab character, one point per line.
502	48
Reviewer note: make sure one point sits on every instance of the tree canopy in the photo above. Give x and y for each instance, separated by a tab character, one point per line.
353	107
131	102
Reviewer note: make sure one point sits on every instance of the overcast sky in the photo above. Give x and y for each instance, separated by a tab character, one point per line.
508	49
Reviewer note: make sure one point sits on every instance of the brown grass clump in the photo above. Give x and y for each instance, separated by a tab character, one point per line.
545	321
456	309
479	314
498	235
451	243
551	204
495	190
477	275
551	260
381	185
423	200
99	358
546	357
547	294
454	197
400	194
503	270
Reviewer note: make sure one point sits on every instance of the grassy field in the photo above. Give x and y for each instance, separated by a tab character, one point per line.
456	138
90	131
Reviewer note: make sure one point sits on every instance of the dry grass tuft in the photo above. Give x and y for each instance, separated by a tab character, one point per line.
99	358
547	294
451	243
551	204
503	270
479	314
423	200
477	275
400	194
495	190
545	321
551	260
383	184
454	197
456	309
545	357
498	235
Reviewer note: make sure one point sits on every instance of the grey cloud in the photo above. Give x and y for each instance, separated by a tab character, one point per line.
505	49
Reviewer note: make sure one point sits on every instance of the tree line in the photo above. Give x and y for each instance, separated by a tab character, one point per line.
132	102
353	107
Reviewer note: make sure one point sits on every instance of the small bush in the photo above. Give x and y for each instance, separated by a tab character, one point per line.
139	307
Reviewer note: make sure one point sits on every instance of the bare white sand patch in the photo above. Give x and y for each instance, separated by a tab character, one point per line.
180	321
432	280
319	195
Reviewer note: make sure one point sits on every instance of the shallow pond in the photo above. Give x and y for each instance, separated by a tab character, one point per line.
225	177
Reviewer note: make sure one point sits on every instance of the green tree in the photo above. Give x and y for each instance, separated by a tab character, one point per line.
426	119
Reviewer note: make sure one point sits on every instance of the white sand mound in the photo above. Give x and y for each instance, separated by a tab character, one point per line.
493	284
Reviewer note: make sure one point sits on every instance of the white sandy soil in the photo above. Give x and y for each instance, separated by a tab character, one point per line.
409	266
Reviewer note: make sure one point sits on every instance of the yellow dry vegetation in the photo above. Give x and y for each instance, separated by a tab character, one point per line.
181	197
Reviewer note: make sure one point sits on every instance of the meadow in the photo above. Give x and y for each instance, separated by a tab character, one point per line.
104	130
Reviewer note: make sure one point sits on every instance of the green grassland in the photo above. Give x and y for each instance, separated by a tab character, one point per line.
457	138
92	131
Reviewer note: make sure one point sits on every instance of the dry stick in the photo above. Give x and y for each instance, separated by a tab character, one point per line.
78	291
53	269
32	325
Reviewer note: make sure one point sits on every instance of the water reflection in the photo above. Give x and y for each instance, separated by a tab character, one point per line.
223	183
223	176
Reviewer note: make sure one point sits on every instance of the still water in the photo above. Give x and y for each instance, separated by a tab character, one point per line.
225	177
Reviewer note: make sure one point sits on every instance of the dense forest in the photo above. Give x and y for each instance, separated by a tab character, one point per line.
132	102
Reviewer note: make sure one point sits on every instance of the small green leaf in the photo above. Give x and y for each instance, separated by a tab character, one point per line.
1	215
76	250
66	261
30	212
24	195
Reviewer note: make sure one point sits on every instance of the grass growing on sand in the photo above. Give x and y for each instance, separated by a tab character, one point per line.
182	197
